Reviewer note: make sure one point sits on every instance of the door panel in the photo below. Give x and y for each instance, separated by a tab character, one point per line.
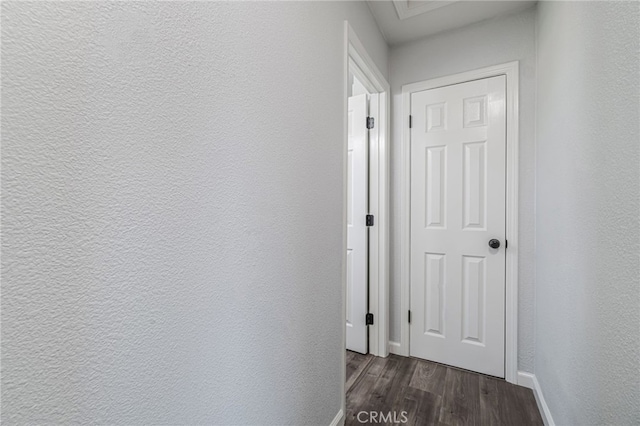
474	190
458	148
434	295
435	179
357	233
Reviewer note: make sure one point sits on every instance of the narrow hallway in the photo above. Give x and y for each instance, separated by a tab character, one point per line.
424	392
205	204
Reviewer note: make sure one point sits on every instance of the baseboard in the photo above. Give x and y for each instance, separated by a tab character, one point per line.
394	348
526	380
530	381
337	420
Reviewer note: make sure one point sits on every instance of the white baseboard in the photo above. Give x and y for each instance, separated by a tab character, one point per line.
530	381
394	348
526	380
337	420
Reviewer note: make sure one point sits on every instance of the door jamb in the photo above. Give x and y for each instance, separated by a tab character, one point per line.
510	70
357	58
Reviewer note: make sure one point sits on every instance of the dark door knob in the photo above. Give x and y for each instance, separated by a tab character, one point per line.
493	243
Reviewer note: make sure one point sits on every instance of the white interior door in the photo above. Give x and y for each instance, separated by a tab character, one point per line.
458	148
357	205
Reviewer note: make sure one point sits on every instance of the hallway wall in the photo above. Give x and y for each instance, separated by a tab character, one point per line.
588	208
496	41
172	206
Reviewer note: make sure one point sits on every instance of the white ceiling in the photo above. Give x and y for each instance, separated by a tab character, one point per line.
405	20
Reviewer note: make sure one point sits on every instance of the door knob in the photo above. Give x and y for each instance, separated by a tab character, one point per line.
494	244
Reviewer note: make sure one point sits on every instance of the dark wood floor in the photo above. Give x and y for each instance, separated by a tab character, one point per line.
432	394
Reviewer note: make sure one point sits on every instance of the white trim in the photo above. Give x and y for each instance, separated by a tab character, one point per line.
526	380
404	11
359	54
394	348
530	381
511	277
338	419
358	60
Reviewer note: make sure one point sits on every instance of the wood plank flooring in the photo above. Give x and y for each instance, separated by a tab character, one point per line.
431	394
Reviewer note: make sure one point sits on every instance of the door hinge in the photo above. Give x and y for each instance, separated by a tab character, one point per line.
369	220
409	317
368	319
410	121
506	243
370	122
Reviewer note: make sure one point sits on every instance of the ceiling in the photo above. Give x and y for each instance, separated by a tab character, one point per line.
401	21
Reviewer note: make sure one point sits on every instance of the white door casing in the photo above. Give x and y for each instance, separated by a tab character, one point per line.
458	169
357	233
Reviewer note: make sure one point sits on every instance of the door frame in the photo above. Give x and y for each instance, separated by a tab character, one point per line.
510	70
357	59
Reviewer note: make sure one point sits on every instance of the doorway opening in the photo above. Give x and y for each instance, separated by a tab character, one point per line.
370	98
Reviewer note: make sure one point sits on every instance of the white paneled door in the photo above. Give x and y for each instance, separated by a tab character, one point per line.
458	148
357	234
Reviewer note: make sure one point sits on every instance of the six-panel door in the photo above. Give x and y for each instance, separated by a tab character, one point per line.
458	148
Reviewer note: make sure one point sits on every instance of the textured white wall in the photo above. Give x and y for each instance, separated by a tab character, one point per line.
172	211
492	42
588	209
